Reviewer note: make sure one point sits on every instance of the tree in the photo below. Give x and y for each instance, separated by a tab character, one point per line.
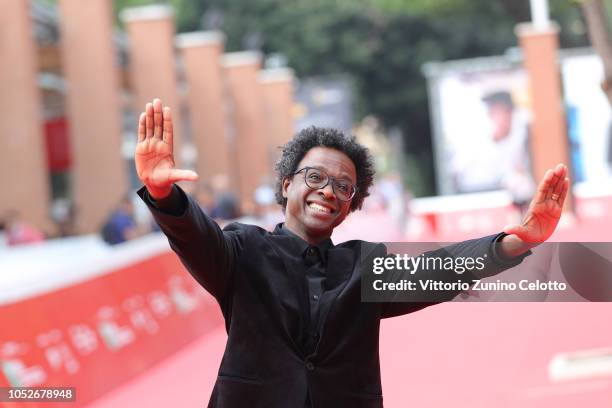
381	44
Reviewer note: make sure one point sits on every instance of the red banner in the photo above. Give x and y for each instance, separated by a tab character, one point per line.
97	334
58	145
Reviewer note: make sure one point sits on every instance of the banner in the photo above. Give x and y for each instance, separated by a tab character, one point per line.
97	334
483	140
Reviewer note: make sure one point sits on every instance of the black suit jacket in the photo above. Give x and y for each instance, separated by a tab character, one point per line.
261	298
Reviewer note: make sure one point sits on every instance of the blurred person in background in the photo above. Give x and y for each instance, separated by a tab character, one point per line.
18	232
63	213
298	333
266	209
226	205
397	199
121	225
205	196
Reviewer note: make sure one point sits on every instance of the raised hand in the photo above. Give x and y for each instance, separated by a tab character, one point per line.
154	152
544	211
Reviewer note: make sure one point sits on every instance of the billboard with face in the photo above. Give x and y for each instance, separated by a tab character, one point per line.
481	118
482	128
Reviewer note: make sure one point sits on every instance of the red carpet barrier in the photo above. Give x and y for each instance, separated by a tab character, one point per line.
97	334
455	218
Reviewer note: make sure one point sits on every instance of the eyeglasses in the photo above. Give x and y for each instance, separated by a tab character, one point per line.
317	179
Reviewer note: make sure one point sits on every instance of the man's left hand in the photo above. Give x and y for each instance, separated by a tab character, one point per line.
542	216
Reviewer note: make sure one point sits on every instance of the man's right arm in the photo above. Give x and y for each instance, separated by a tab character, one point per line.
208	253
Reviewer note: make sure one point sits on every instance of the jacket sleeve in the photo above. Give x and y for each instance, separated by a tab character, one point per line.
484	248
208	253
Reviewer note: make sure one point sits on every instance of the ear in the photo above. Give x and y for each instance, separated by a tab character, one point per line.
286	183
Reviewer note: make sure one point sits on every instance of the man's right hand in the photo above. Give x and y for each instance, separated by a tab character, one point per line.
154	152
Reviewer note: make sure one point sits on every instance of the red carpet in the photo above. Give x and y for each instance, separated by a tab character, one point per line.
460	354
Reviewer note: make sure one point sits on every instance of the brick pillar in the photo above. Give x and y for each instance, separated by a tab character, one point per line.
99	173
549	144
251	144
201	52
23	164
277	89
150	31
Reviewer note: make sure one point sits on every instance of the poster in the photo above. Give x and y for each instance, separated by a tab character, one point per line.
482	131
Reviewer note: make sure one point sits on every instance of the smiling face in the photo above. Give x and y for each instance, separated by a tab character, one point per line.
313	214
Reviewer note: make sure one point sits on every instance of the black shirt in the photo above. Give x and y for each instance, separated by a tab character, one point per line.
310	261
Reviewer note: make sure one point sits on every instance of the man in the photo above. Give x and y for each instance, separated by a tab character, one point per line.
19	232
120	225
298	333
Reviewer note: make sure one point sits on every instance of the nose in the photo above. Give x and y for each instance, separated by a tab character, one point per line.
327	192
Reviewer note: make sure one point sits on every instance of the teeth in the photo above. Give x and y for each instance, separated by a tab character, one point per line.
320	208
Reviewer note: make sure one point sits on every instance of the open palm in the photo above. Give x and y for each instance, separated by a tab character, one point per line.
154	155
545	209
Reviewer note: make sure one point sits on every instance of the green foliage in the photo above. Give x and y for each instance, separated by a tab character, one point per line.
382	44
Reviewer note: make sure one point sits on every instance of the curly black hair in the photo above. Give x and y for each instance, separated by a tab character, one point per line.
294	151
